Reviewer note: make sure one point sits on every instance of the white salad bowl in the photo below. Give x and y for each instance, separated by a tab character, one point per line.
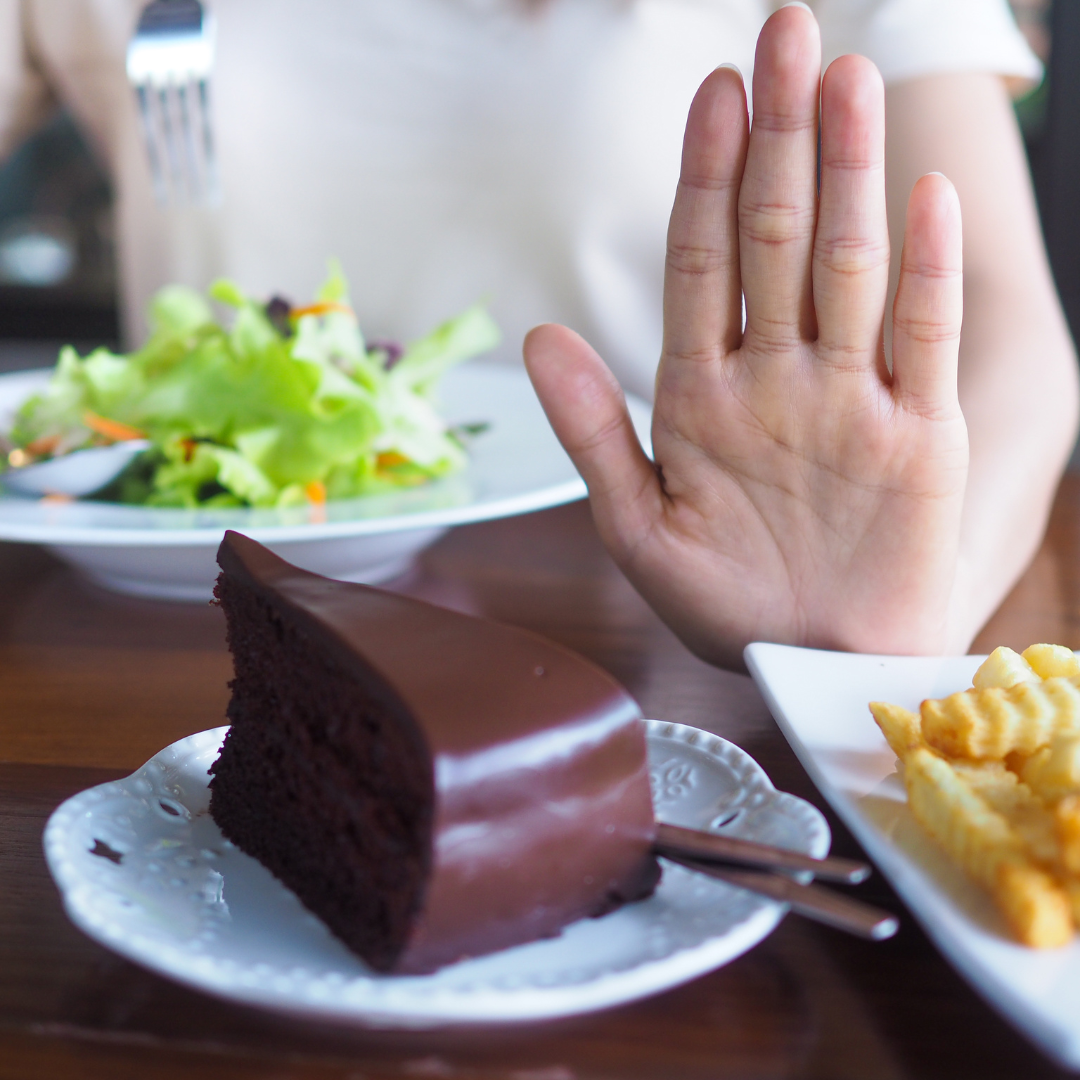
515	466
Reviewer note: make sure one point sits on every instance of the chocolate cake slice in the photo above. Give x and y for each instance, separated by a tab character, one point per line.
431	785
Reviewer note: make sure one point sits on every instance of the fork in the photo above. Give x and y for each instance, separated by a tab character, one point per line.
169	60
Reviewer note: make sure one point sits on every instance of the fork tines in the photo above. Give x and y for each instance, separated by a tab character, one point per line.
169	61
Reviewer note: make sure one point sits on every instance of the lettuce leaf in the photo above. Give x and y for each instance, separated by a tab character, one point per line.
246	415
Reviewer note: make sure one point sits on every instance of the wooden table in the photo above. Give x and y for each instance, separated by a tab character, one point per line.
91	685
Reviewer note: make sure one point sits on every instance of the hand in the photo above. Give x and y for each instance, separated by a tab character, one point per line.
800	493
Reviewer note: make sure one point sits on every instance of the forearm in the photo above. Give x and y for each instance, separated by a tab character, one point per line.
1019	393
1018	376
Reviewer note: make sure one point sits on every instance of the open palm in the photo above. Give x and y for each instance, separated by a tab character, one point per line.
801	492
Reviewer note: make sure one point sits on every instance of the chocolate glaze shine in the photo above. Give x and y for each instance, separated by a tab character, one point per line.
514	795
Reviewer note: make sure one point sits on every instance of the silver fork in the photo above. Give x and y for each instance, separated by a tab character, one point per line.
169	60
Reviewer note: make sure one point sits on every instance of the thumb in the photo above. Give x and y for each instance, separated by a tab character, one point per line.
587	410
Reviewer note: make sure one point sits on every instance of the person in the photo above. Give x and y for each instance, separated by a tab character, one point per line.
527	150
804	490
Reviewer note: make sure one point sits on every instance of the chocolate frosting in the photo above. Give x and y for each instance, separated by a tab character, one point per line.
535	757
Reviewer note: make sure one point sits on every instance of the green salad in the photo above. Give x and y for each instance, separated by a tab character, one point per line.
286	406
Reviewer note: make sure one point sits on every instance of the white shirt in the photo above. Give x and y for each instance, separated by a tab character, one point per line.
525	151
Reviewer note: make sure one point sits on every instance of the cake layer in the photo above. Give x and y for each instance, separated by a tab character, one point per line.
432	785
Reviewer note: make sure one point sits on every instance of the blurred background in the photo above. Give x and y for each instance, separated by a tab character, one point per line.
57	267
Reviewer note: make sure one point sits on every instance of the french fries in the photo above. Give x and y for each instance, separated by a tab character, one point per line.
988	724
1003	667
993	774
1047	661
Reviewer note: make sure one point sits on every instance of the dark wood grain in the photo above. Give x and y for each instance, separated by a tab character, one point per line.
91	685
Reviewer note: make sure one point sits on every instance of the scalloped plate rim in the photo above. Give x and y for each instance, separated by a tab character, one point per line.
501	1005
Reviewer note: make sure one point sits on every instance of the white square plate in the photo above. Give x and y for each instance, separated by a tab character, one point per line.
820	700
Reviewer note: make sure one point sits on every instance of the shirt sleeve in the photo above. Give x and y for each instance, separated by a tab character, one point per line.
910	38
25	98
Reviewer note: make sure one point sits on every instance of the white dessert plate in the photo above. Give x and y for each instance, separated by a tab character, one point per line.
144	870
820	700
515	467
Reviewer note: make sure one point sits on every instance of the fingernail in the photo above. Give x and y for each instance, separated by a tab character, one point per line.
731	67
934	172
795	3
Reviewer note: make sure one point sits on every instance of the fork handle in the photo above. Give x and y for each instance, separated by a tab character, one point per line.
677	841
812	901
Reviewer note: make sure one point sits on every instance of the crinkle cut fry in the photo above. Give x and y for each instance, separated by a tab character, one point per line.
991	723
901	727
989	849
1032	821
1003	667
1050	660
1067	819
1053	772
1034	825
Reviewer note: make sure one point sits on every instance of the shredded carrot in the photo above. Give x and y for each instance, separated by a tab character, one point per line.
45	445
316	492
113	430
57	497
321	308
389	459
189	448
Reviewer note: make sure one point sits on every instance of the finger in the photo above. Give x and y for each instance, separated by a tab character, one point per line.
851	247
587	410
702	287
929	304
779	190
